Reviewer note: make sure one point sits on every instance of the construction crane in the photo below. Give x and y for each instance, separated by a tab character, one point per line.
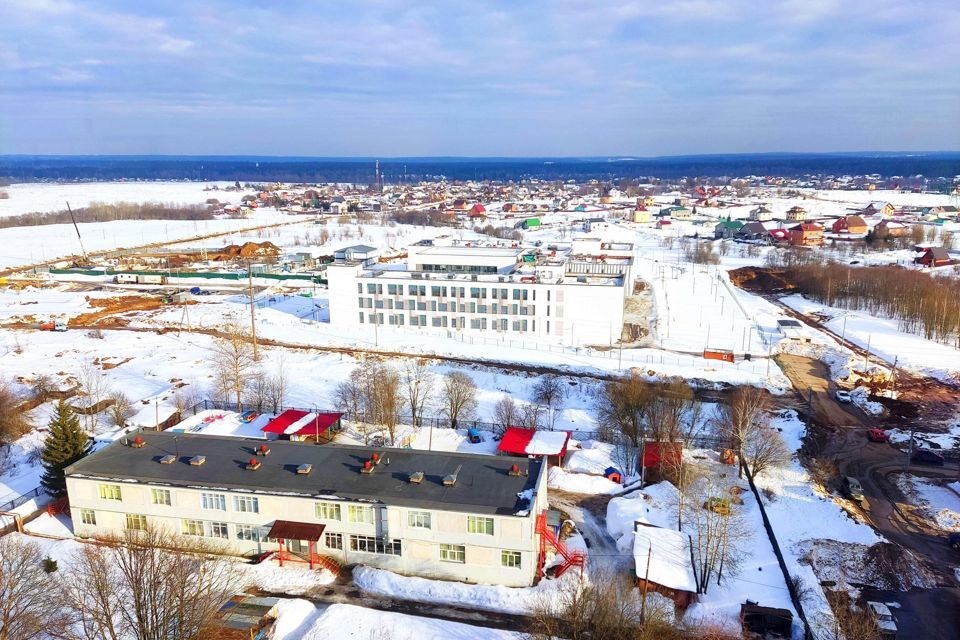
86	261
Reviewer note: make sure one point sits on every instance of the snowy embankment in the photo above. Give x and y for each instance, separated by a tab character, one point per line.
303	620
941	504
885	339
515	600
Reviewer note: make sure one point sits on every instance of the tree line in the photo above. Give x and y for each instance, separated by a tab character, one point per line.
923	305
110	212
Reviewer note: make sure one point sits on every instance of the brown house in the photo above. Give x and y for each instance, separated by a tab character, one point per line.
850	224
888	228
806	235
663	563
934	257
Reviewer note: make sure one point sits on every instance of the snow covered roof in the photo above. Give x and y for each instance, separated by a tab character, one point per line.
531	442
669	557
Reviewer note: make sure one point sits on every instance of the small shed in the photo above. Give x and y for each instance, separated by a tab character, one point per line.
934	257
768	621
517	441
298	425
663	563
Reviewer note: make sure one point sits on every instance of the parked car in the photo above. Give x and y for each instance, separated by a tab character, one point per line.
843	396
473	435
954	540
877	435
851	486
883	618
926	456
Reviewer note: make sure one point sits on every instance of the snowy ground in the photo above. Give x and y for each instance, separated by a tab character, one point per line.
939	501
885	339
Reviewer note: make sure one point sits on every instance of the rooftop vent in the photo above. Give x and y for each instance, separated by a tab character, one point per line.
375	458
168	459
450	480
416	477
515	470
138	443
263	450
253	465
196	461
367	467
304	469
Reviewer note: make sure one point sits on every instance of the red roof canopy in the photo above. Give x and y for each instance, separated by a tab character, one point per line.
519	441
284	420
666	452
320	424
289	530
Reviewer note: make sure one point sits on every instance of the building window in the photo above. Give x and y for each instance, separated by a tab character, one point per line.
419	519
160	496
215	501
88	516
191	527
371	544
480	524
136	522
327	510
246	504
219	530
453	553
333	541
248	532
510	559
359	513
109	491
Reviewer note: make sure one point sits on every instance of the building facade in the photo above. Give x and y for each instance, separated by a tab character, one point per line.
572	299
480	528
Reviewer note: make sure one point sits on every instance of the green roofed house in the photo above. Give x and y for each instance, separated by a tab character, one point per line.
727	229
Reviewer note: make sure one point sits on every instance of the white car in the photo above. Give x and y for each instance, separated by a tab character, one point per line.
884	619
843	396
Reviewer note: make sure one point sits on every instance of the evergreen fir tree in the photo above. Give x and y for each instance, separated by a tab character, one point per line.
65	444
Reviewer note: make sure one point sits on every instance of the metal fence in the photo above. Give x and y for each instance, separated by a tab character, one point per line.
12	504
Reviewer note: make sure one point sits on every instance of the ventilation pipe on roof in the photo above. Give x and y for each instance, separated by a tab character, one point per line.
263	450
304	469
515	470
416	477
168	459
138	443
450	480
253	465
196	461
367	467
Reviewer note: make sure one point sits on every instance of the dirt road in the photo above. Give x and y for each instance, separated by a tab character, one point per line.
927	613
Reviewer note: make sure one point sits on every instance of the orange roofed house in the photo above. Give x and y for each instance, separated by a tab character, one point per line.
808	234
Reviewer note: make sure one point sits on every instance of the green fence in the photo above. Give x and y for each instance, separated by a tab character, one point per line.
209	275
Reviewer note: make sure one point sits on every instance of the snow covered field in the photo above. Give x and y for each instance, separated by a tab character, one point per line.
31	197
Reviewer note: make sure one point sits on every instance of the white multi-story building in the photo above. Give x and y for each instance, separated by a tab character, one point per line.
447	515
567	297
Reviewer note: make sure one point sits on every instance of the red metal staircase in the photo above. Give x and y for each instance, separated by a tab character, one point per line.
548	536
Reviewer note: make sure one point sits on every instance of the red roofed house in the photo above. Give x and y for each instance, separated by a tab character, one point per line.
658	456
934	257
517	441
808	234
477	211
297	425
460	204
850	224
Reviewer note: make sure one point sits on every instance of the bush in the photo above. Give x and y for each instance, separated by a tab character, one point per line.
49	565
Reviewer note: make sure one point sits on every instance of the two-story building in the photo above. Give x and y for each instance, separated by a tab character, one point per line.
437	514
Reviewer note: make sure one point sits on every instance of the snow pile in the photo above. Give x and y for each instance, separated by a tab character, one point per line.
290	580
883	565
593	457
652	505
581	483
861	397
939	503
547	443
299	619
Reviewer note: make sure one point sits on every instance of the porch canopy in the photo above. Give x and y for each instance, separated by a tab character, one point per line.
531	442
319	424
294	422
290	530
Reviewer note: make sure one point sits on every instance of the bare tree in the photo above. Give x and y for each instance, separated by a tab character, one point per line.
530	416
93	386
622	405
765	449
121	409
14	422
29	607
418	382
846	621
233	361
459	397
718	540
147	585
505	413
549	393
388	399
738	419
277	385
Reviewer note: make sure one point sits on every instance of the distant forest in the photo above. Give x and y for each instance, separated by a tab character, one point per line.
400	170
102	212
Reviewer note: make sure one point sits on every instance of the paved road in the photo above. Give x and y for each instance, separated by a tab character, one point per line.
924	613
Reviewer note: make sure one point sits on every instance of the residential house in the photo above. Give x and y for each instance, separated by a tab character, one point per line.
850	224
934	257
663	564
727	229
641	214
761	214
890	229
754	231
879	207
808	234
477	212
796	214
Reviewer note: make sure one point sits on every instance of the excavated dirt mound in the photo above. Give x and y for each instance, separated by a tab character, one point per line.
761	280
882	565
250	250
107	307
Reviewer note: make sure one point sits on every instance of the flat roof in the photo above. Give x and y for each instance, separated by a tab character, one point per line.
483	485
506	252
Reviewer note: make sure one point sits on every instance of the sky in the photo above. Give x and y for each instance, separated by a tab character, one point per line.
478	78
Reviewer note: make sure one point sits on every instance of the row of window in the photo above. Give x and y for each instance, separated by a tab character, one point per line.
442	322
441	291
366	544
448	307
163	497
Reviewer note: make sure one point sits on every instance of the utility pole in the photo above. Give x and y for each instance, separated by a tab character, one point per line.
906	464
866	356
253	319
